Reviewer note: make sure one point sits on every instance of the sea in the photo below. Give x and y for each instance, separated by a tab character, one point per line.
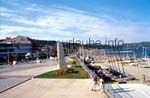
136	52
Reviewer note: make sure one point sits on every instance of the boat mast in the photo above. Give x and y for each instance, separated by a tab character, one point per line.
127	50
145	53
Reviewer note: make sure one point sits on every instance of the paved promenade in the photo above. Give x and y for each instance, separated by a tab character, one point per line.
53	88
128	90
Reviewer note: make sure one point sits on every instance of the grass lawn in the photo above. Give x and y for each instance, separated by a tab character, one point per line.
77	72
3	63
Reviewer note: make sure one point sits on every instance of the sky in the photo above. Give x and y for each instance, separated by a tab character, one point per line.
127	20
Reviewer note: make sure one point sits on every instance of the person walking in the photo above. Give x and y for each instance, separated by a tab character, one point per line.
101	84
94	82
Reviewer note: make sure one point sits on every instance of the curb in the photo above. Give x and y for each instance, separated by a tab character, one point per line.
15	85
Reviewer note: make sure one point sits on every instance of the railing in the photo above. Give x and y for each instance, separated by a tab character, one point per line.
90	72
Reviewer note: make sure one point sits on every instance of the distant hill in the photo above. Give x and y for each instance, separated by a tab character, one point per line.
41	43
140	44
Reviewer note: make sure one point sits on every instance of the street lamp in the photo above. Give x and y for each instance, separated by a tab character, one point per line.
8	55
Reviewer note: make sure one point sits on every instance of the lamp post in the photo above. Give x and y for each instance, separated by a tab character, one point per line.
82	54
8	56
17	46
127	50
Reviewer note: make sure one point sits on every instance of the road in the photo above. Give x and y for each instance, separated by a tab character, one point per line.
12	76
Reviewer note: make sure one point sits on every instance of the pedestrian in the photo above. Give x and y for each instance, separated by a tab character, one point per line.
94	82
101	84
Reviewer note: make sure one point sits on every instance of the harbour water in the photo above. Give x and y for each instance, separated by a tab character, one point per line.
136	52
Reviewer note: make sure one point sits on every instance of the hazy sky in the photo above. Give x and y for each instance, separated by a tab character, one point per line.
128	20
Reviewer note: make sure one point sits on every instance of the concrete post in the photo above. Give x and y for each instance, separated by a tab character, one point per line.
60	56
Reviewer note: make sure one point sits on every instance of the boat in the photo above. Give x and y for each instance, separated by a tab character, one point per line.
144	64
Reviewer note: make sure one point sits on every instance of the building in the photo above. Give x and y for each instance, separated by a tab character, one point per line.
17	45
